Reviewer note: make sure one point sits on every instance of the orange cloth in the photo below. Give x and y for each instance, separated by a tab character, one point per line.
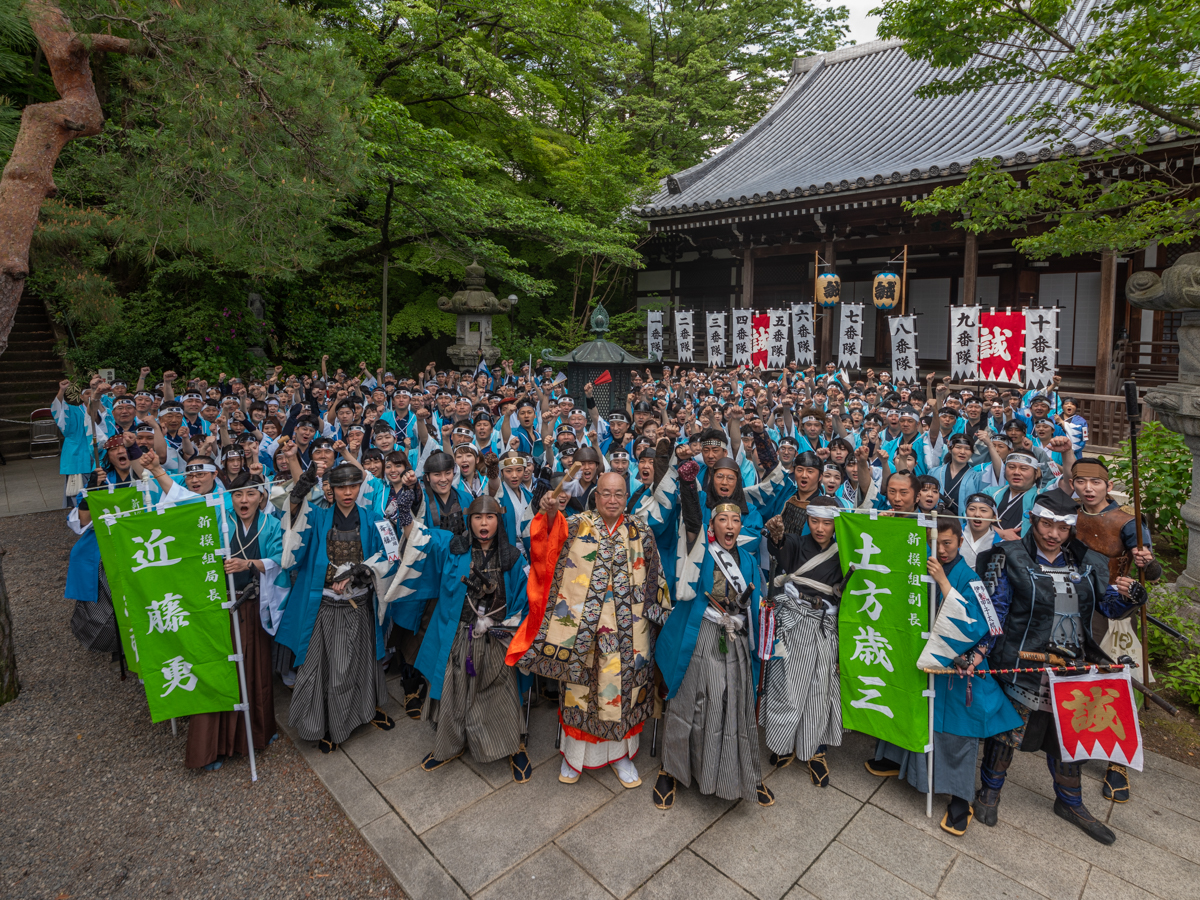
545	545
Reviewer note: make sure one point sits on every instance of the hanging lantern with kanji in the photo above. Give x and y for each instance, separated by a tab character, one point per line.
829	289
886	290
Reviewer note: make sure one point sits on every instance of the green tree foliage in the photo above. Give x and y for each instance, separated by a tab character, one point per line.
286	148
1165	479
706	71
1126	70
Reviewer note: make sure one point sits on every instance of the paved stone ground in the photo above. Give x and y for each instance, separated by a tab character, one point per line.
468	830
30	485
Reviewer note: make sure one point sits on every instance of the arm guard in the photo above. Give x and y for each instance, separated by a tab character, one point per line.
304	484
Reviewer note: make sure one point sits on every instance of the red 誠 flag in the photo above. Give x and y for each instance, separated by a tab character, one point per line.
762	333
1001	343
1096	718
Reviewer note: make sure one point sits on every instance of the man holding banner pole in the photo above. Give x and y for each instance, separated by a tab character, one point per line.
965	708
1047	586
254	544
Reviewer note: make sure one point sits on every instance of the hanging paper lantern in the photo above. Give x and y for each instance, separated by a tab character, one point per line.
886	290
829	289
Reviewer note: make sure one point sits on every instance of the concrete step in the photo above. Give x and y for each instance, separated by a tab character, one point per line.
42	358
41	328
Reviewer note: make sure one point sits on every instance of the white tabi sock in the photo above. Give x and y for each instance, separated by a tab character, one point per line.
566	771
626	770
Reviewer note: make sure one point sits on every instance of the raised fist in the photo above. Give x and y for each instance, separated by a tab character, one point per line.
688	471
775	529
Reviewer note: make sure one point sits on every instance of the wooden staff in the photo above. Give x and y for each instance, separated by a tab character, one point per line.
570	476
1133	413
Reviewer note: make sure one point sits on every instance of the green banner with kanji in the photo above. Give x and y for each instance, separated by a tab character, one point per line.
115	502
168	593
884	610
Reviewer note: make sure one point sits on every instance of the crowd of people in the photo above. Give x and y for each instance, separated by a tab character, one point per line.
495	540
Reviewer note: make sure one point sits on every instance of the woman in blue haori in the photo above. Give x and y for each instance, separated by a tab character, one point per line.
705	653
478	581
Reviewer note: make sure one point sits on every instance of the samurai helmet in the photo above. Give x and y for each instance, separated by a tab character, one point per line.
345	474
484	505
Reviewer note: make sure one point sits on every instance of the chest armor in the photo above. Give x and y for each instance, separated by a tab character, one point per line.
341	547
1102	533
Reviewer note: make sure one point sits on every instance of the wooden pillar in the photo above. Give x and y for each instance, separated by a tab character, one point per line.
1108	299
748	279
970	291
826	333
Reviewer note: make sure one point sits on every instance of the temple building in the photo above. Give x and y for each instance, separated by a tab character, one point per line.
824	175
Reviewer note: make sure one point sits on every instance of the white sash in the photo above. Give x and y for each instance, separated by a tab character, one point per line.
798	578
728	566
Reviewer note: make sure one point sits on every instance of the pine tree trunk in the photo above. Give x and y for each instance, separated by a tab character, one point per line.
29	179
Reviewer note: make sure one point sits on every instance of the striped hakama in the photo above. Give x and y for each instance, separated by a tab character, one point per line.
802	708
95	623
341	682
711	734
480	713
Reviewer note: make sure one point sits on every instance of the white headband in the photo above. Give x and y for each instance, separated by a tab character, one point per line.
1042	513
512	461
809	419
199	467
822	512
1022	459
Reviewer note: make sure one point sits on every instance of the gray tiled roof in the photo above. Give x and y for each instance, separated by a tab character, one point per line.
848	120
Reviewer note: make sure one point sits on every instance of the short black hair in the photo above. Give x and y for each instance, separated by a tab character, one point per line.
949	523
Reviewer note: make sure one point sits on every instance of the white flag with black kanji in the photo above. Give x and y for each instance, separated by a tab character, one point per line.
1041	347
743	337
904	348
802	333
716	338
850	345
778	339
654	335
683	336
964	343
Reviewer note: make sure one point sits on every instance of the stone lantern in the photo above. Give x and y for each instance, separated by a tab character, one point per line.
597	359
1178	405
474	306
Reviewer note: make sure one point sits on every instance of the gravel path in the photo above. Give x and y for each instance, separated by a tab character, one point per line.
95	800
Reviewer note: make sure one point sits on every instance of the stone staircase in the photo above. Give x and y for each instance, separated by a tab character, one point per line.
30	371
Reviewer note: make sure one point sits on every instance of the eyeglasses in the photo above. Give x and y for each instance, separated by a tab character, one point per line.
611	495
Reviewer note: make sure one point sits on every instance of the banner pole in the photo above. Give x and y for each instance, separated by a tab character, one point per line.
931	690
235	619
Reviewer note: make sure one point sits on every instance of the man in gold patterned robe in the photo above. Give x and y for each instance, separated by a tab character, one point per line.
597	596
